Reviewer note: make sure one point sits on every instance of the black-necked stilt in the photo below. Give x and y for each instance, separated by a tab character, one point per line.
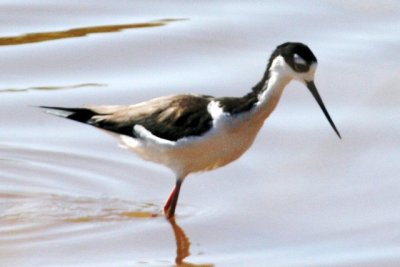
192	133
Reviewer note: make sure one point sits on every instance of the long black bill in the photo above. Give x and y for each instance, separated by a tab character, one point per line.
314	92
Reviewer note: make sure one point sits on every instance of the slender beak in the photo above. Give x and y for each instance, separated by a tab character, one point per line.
314	92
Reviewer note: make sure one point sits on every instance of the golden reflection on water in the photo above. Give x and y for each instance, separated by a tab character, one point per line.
50	209
78	32
183	247
36	207
122	216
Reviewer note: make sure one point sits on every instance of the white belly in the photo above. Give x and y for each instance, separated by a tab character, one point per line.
229	138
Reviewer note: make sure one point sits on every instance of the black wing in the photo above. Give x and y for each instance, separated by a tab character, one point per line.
170	118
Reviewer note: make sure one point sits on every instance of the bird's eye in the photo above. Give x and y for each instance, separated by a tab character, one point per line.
300	64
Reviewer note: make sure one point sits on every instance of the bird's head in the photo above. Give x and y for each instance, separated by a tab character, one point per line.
295	61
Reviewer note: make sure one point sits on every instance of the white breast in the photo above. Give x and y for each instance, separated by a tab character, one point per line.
227	140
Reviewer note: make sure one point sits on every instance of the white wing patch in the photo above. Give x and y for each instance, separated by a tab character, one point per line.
215	110
147	136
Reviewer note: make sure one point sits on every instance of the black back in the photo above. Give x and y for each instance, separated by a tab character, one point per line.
184	116
171	119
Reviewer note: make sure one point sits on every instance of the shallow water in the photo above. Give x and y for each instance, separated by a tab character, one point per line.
69	196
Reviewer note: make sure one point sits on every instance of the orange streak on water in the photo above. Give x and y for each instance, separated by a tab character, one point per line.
77	32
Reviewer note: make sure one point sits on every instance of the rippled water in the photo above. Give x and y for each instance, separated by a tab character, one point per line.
69	196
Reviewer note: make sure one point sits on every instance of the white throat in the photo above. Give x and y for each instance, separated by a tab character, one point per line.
280	74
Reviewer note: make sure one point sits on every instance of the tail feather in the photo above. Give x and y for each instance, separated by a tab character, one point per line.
76	114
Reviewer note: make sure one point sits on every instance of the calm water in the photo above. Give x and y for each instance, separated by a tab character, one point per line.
69	196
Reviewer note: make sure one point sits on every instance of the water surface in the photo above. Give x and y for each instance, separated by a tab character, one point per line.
69	196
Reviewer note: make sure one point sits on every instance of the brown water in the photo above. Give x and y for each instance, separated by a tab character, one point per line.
299	197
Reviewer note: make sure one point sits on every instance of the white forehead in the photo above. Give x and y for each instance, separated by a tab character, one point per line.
280	67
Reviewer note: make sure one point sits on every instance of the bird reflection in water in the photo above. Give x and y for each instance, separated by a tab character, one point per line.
183	247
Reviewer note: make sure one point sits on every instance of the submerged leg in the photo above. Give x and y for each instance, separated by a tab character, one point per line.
170	204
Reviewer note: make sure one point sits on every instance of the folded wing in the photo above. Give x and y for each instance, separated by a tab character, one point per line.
170	118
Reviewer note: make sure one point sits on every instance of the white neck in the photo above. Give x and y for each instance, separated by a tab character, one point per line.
280	74
271	94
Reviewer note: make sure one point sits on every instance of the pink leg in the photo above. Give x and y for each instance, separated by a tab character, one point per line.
172	200
167	203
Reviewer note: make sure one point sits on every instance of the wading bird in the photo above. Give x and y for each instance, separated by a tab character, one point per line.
191	133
